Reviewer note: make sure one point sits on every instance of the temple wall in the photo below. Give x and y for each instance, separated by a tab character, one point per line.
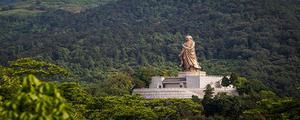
156	82
152	93
174	85
192	83
205	80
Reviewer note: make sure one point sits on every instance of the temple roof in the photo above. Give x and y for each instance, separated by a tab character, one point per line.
174	80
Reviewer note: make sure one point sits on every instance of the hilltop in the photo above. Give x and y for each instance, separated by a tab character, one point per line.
33	7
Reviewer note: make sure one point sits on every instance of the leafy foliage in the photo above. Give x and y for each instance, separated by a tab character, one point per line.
25	66
74	93
32	7
172	109
136	107
115	84
247	37
270	108
225	81
223	105
35	100
125	107
254	38
10	76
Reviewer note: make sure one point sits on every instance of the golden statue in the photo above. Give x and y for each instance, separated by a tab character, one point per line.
188	56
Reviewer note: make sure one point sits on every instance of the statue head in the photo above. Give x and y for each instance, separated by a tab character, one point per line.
188	37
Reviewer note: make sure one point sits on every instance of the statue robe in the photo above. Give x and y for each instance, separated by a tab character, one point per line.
188	57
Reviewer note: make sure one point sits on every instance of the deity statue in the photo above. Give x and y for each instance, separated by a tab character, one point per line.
188	56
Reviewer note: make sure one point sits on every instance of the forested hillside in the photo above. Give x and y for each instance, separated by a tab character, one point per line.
258	39
81	59
33	7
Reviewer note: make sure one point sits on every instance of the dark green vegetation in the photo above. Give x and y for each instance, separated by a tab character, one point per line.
258	39
99	42
34	7
25	97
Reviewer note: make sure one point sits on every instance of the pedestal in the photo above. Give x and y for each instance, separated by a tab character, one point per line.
198	73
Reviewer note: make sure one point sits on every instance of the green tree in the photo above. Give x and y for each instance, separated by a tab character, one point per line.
116	84
121	108
77	96
209	91
35	100
175	109
270	108
239	82
222	106
225	81
145	73
10	75
233	77
25	66
73	92
227	106
207	100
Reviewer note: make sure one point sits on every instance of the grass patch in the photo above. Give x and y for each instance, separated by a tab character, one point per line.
26	7
20	12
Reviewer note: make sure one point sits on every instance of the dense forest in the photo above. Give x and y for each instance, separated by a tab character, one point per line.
24	96
90	45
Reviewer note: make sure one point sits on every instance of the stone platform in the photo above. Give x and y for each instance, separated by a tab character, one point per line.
185	85
198	73
152	93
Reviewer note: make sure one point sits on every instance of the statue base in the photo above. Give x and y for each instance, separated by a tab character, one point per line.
197	73
186	85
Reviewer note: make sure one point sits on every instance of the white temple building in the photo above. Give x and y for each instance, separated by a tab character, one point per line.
185	85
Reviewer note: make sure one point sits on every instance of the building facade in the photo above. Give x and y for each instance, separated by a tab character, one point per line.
185	85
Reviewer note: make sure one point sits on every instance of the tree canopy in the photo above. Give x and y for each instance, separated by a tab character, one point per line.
255	38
